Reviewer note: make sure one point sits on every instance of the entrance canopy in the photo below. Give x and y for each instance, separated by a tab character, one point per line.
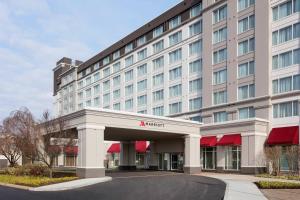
284	136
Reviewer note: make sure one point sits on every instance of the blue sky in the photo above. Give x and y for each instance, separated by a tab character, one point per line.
34	34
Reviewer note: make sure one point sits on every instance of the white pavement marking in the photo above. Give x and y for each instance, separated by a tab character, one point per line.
72	184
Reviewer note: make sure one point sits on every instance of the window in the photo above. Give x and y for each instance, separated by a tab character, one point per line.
129	75
97	101
80	84
196	119
106	85
88	80
220	77
243	4
246	92
246	46
106	60
158	31
195	104
158	95
195	48
97	89
286	109
117	106
129	104
176	21
175	91
246	113
220	97
116	55
142	70
195	28
158	111
195	67
142	85
96	66
97	76
175	108
220	14
195	10
158	46
233	157
142	100
285	9
116	94
129	90
116	67
158	79
286	84
141	55
220	35
209	157
175	73
88	93
246	24
106	72
117	81
175	56
220	116
296	5
286	34
220	56
246	69
80	96
158	63
141	40
128	47
106	99
195	85
175	38
128	61
142	111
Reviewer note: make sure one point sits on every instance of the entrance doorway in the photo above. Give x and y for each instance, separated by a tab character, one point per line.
170	161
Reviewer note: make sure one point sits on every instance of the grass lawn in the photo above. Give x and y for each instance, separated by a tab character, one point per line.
287	177
32	181
277	185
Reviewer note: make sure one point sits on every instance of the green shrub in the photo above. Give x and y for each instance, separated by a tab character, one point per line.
277	185
287	177
27	170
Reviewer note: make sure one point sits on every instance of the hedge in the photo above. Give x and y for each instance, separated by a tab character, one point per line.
277	185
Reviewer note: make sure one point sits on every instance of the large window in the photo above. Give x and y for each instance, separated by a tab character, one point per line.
195	85
175	38
286	34
195	67
142	70
158	111
129	90
220	14
209	157
195	10
116	94
129	75
106	99
97	76
141	55
129	104
158	31
158	46
246	92
158	63
195	28
175	73
285	9
220	56
220	77
286	59
246	69
96	89
176	21
175	108
195	48
220	97
117	106
220	35
246	113
243	4
106	85
232	157
246	46
175	91
128	47
106	60
116	67
142	100
158	79
286	109
117	81
246	24
158	95
141	40
116	55
220	116
175	56
195	104
142	85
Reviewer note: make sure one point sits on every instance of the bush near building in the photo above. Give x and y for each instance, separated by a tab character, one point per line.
277	185
286	177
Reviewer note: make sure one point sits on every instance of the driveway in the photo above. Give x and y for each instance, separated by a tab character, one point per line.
134	185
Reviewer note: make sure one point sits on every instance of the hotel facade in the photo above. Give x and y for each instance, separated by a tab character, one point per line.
231	68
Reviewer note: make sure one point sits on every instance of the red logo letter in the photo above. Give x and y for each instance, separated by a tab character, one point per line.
142	123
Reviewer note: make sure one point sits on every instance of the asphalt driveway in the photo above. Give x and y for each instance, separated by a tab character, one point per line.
133	186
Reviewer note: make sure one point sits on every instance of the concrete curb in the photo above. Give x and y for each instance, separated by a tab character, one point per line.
15	186
71	184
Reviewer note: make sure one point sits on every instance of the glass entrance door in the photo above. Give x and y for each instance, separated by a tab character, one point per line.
174	161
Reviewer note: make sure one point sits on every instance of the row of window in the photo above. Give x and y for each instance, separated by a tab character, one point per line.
285	9
286	59
286	34
286	84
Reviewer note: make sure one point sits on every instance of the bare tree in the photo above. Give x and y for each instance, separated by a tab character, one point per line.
272	157
292	158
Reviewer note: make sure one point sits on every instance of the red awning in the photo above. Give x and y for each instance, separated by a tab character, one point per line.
209	141
148	148
114	148
141	146
230	140
284	135
71	150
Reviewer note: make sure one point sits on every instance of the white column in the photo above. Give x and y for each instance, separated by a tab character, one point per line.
91	151
192	154
127	156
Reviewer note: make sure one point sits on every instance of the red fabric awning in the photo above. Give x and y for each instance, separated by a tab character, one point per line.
71	149
230	140
284	135
209	141
114	148
141	146
148	148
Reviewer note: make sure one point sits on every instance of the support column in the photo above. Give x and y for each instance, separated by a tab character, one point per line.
127	156
153	156
91	152
192	154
